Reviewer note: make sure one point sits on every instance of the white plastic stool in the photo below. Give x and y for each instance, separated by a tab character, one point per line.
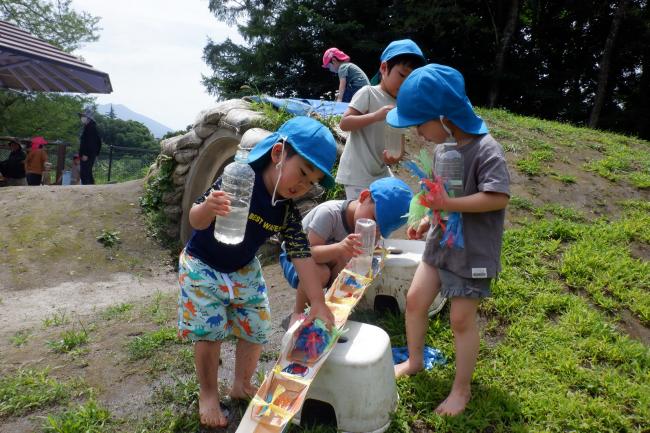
396	277
356	381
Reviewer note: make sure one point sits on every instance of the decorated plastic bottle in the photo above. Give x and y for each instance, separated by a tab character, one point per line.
448	164
237	180
367	230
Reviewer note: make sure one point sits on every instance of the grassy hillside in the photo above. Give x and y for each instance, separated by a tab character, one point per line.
565	338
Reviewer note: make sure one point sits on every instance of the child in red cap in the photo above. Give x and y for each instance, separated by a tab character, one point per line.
351	77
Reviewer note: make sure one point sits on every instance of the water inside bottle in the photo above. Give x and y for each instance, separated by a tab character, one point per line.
237	180
393	140
367	230
231	228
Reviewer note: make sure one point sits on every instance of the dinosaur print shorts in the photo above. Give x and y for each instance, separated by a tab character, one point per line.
213	305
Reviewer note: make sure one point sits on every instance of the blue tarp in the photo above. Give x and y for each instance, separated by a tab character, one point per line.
302	107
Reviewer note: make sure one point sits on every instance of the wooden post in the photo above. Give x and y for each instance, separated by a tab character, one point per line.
60	163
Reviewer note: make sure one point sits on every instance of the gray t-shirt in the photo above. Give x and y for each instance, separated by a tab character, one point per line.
353	75
327	221
485	170
362	161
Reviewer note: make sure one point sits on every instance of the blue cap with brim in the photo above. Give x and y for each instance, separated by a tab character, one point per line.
433	91
403	46
392	198
309	138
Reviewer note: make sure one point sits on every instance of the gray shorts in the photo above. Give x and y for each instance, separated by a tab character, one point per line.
454	286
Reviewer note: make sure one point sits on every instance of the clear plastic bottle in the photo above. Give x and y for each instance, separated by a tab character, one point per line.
393	140
448	164
366	229
237	180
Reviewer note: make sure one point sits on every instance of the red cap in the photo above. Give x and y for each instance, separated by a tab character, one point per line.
334	52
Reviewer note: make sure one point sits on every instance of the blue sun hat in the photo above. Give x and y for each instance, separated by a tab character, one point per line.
403	46
392	198
309	138
433	91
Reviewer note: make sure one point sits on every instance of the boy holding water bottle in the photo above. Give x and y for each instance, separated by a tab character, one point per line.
433	100
365	157
222	291
330	228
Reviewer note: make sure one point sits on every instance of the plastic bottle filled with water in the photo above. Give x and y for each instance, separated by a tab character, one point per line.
366	229
237	180
448	164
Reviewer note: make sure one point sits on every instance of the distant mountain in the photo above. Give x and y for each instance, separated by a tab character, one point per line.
124	113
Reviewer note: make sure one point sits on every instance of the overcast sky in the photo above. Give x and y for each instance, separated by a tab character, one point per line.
152	51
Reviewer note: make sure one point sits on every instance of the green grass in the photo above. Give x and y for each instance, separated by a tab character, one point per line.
20	338
161	308
28	390
117	311
69	341
85	418
554	362
540	142
143	346
58	318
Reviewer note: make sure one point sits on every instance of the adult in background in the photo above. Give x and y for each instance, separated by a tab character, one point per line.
35	162
89	145
13	168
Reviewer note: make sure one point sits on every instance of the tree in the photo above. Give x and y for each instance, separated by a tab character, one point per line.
51	115
125	133
549	59
502	49
285	42
53	21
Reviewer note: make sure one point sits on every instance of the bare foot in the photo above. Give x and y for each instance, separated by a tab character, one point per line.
245	392
210	412
407	368
454	404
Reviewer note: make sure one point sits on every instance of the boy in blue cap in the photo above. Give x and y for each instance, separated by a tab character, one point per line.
364	157
433	99
330	230
222	291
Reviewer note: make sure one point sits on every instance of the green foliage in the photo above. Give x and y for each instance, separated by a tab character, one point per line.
58	318
69	341
601	264
143	346
52	115
109	238
125	133
117	311
86	418
28	390
20	338
155	186
543	75
52	21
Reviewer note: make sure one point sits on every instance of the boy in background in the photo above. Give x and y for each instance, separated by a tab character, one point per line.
330	230
433	99
364	158
222	290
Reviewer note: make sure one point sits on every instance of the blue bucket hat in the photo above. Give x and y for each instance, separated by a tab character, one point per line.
392	199
403	46
433	91
309	138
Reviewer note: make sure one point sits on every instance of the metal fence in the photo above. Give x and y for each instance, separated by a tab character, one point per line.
119	164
